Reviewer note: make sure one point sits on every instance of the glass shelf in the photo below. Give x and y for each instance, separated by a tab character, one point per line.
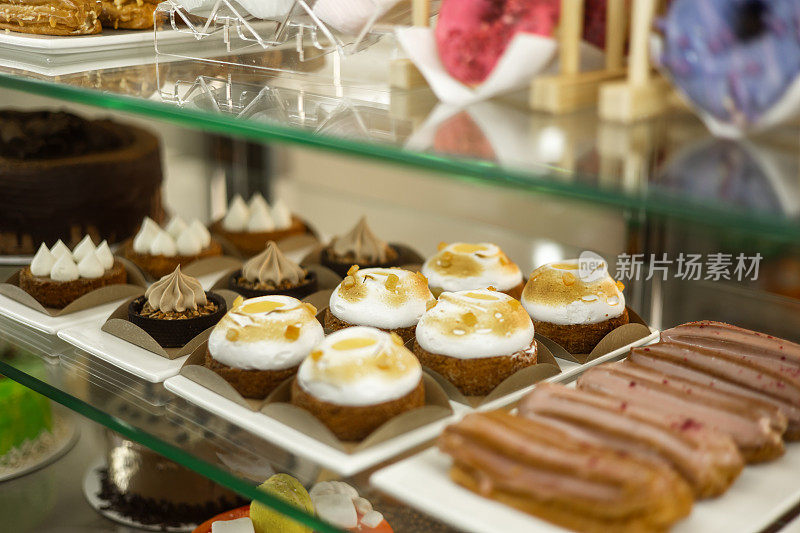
668	167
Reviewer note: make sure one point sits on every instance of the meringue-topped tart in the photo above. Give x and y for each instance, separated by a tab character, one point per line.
357	379
476	339
248	225
573	310
175	309
271	272
360	246
390	299
157	251
261	342
57	276
462	266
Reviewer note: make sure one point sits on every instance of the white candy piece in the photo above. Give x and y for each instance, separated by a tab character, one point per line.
336	509
175	227
65	269
260	219
84	248
363	506
371	519
147	234
189	243
202	232
281	215
240	525
237	216
90	267
59	249
163	244
104	255
42	262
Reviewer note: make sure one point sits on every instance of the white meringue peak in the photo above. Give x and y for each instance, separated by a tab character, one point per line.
164	245
59	249
202	232
175	227
42	262
65	269
237	216
257	201
90	267
84	248
281	215
104	255
188	242
143	241
260	220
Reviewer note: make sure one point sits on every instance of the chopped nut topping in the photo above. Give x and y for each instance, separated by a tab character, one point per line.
469	319
442	246
620	286
316	355
391	282
349	282
292	333
446	260
491	288
568	278
353	269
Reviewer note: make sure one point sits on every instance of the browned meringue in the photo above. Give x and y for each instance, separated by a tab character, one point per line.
363	245
271	266
176	292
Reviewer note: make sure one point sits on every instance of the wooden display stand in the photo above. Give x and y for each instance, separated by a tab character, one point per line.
402	72
572	89
644	93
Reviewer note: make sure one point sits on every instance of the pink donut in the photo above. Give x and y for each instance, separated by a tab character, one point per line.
472	35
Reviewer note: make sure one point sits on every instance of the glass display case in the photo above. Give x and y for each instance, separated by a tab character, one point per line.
322	130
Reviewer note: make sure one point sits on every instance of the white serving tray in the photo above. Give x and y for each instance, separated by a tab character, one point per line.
107	41
760	496
129	357
342	463
52	324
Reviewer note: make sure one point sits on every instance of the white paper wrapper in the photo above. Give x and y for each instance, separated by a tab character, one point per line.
784	110
350	16
526	56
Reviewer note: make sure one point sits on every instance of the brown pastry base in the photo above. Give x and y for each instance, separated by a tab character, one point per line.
255	384
158	266
58	294
580	338
476	377
56	17
331	324
128	14
250	244
672	508
514	292
353	423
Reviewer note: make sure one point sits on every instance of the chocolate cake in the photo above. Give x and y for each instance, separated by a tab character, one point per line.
63	177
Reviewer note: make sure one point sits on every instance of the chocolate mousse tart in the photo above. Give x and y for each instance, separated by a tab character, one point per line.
476	339
359	247
271	273
176	309
390	299
57	277
248	225
158	251
573	310
261	342
356	380
464	266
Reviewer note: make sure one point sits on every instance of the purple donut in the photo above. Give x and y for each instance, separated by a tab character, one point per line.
733	58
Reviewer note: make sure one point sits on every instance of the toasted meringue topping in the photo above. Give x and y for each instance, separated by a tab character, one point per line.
42	262
359	366
266	333
463	266
475	324
65	269
557	294
271	266
386	298
176	292
363	244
